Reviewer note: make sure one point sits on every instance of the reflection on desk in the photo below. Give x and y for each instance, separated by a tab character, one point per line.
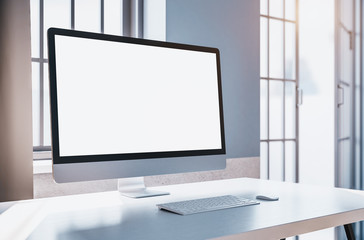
108	215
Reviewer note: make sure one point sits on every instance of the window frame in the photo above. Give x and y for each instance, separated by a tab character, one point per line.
42	151
265	160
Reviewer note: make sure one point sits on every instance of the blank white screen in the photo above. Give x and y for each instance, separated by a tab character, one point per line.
116	98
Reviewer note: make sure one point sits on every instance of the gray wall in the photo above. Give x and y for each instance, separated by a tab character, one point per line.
16	158
233	27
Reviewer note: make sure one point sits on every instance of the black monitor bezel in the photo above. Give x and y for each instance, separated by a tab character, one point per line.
57	159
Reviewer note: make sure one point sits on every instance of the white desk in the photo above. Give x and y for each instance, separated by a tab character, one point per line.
108	215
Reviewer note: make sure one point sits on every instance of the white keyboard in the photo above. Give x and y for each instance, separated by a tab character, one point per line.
206	204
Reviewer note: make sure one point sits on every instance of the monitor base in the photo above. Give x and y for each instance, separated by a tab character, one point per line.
135	188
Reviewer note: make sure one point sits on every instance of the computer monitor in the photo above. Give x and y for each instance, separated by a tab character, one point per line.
124	107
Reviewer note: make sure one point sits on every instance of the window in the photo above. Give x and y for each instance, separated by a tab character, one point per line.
278	86
103	16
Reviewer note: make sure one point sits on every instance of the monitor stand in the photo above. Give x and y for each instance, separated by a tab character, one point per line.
135	188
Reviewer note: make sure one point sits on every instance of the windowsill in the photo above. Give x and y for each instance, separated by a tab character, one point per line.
42	162
44	166
42	155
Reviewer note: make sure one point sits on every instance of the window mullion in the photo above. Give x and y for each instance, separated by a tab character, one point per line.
72	14
41	72
268	93
284	91
102	24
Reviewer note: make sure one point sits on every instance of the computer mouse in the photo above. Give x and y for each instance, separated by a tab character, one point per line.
267	197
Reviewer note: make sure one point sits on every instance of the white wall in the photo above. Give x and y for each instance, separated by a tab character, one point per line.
317	113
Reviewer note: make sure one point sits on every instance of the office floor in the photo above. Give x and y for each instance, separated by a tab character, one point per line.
44	185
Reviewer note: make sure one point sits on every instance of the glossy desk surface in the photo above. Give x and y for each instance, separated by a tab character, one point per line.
108	215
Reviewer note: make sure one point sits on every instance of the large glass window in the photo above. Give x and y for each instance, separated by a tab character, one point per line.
278	89
104	16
